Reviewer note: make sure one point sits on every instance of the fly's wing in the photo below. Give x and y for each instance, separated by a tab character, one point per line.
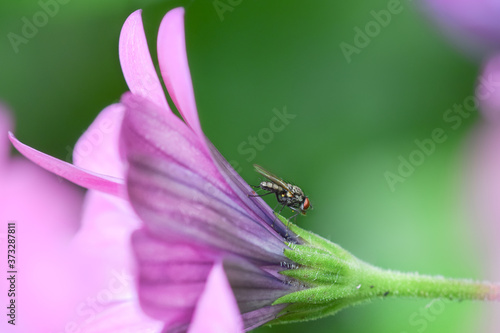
275	179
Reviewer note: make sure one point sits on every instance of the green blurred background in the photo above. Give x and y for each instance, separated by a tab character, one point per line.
352	122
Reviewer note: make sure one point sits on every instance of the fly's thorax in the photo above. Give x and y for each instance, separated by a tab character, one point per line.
297	191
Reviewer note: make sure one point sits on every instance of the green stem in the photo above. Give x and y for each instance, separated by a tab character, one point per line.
334	279
384	283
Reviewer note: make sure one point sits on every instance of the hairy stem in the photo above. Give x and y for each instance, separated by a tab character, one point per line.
391	283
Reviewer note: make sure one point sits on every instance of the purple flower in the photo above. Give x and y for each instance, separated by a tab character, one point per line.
202	251
471	24
193	207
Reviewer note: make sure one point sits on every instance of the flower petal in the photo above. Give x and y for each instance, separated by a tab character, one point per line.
173	274
102	258
261	316
481	195
70	172
47	215
165	267
488	90
175	188
135	59
102	247
255	204
177	77
174	66
472	25
216	311
124	316
253	288
149	130
107	225
97	149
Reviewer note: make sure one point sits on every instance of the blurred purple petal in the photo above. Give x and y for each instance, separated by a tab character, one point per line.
216	311
70	172
97	149
102	247
483	195
94	266
107	225
46	213
174	66
484	187
471	24
123	317
488	90
135	59
46	216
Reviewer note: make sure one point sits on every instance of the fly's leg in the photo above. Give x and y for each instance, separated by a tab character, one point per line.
258	195
293	216
261	195
297	212
275	216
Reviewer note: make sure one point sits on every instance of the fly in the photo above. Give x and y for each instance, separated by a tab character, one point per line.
288	195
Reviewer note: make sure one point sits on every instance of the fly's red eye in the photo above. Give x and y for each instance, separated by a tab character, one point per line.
306	204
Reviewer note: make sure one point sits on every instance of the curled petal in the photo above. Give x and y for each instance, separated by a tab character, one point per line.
217	311
135	59
174	66
70	172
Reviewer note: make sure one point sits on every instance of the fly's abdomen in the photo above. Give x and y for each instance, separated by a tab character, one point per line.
271	187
